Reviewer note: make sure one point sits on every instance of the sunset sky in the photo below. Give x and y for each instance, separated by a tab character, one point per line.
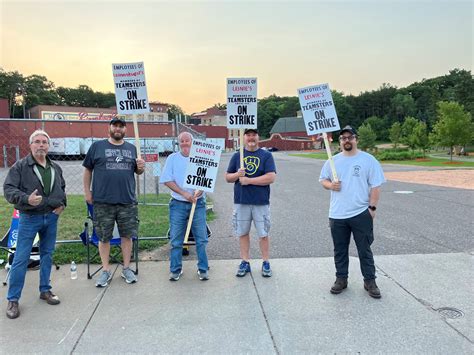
190	47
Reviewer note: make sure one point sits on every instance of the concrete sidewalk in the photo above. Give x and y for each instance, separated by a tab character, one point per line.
292	312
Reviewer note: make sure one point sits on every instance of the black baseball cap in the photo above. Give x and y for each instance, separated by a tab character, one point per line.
118	120
248	130
348	129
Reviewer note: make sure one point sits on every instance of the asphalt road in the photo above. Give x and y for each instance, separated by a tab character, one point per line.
432	219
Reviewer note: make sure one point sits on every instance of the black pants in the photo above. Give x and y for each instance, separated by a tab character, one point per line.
361	227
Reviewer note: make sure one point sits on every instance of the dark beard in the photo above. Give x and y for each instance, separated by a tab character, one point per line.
347	147
117	136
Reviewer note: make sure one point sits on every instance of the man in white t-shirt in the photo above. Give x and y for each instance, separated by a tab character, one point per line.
354	198
180	207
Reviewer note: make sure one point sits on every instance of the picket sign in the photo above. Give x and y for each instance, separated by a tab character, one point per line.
131	93
201	171
319	114
190	221
331	161
137	136
241	136
241	107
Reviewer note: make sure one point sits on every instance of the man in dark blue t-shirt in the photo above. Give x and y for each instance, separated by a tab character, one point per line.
112	163
252	199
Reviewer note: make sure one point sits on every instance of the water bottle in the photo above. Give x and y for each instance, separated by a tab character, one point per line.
73	271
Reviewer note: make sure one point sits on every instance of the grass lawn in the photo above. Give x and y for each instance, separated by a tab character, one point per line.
153	223
418	162
322	156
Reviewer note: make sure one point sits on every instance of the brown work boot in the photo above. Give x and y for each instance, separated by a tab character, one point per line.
339	285
50	298
12	310
371	287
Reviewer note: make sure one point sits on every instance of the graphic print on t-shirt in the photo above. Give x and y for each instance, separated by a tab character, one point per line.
118	159
356	170
251	164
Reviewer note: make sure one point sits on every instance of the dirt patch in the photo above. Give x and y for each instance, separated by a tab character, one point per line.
452	162
462	179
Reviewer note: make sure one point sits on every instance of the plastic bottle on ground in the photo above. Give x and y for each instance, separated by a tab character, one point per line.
73	270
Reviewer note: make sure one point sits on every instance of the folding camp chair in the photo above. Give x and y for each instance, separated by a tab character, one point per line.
89	238
8	243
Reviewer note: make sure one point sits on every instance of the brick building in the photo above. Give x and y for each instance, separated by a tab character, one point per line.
4	109
289	133
216	118
158	113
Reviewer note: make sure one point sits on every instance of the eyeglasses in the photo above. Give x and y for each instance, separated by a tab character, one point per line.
346	138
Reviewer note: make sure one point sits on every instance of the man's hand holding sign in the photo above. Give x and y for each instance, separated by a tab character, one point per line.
188	173
355	189
201	173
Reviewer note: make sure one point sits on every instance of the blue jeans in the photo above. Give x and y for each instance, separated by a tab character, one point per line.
179	214
29	224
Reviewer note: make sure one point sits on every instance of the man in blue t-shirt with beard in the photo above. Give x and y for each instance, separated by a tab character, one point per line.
252	199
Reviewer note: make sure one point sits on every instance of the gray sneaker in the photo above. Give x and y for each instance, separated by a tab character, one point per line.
203	275
103	279
174	276
129	276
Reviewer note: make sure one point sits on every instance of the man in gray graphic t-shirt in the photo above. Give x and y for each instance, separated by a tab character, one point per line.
112	163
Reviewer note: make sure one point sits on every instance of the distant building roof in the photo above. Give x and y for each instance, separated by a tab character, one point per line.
211	111
288	124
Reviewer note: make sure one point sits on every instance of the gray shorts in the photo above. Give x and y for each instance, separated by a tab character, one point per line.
244	215
105	216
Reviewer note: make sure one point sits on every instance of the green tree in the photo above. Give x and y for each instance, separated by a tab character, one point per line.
104	100
221	106
82	96
174	111
457	86
374	103
379	125
10	87
407	132
403	105
38	90
273	107
85	96
453	127
345	112
395	134
366	137
269	110
420	137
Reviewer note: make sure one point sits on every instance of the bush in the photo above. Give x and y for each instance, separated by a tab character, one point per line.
398	154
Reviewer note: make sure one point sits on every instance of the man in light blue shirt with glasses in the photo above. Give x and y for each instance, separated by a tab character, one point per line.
354	198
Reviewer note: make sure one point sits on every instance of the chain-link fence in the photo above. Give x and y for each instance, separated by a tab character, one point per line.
70	141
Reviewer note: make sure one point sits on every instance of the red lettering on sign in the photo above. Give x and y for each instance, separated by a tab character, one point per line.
314	96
